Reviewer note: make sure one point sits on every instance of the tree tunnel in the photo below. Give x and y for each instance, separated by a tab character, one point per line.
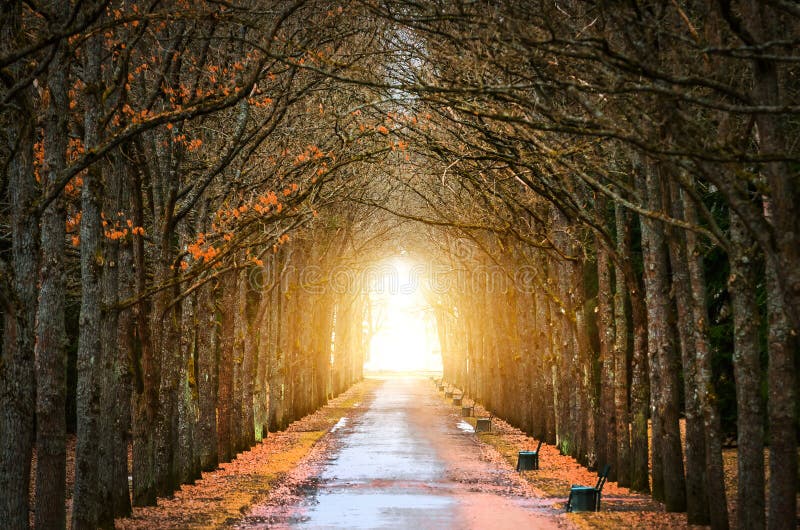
216	216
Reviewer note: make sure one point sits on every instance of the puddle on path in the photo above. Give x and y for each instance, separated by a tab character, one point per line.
466	427
339	424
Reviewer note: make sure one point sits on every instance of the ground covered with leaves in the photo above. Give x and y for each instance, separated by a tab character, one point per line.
621	507
222	497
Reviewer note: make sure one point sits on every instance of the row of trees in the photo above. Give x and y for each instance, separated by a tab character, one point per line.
164	173
635	164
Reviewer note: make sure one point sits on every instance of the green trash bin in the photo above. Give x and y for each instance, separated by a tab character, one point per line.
587	498
457	401
448	394
483	425
466	411
527	460
583	499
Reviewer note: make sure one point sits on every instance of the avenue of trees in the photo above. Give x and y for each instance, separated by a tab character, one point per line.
606	191
163	167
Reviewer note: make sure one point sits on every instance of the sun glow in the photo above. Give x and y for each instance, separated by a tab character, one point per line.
404	335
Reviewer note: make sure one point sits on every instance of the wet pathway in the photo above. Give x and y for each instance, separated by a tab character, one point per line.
405	462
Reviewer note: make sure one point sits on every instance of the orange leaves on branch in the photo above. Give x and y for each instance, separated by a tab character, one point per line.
190	145
74	149
200	251
227	220
72	187
116	229
311	152
210	254
115	234
270	198
281	241
260	102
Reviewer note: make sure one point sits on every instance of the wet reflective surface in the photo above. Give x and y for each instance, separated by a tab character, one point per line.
406	461
385	471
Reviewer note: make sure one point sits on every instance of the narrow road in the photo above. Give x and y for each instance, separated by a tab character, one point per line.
407	461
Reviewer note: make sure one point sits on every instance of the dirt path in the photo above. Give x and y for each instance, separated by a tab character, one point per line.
403	460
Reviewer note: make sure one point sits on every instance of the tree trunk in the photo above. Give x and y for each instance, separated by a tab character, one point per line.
166	325
668	475
605	329
621	416
146	369
17	370
262	352
640	386
110	427
587	398
696	500
88	508
771	87
706	393
207	367
51	336
225	392
747	371
124	368
247	428
187	464
782	345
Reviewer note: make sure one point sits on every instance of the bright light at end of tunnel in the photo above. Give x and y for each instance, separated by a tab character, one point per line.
404	337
